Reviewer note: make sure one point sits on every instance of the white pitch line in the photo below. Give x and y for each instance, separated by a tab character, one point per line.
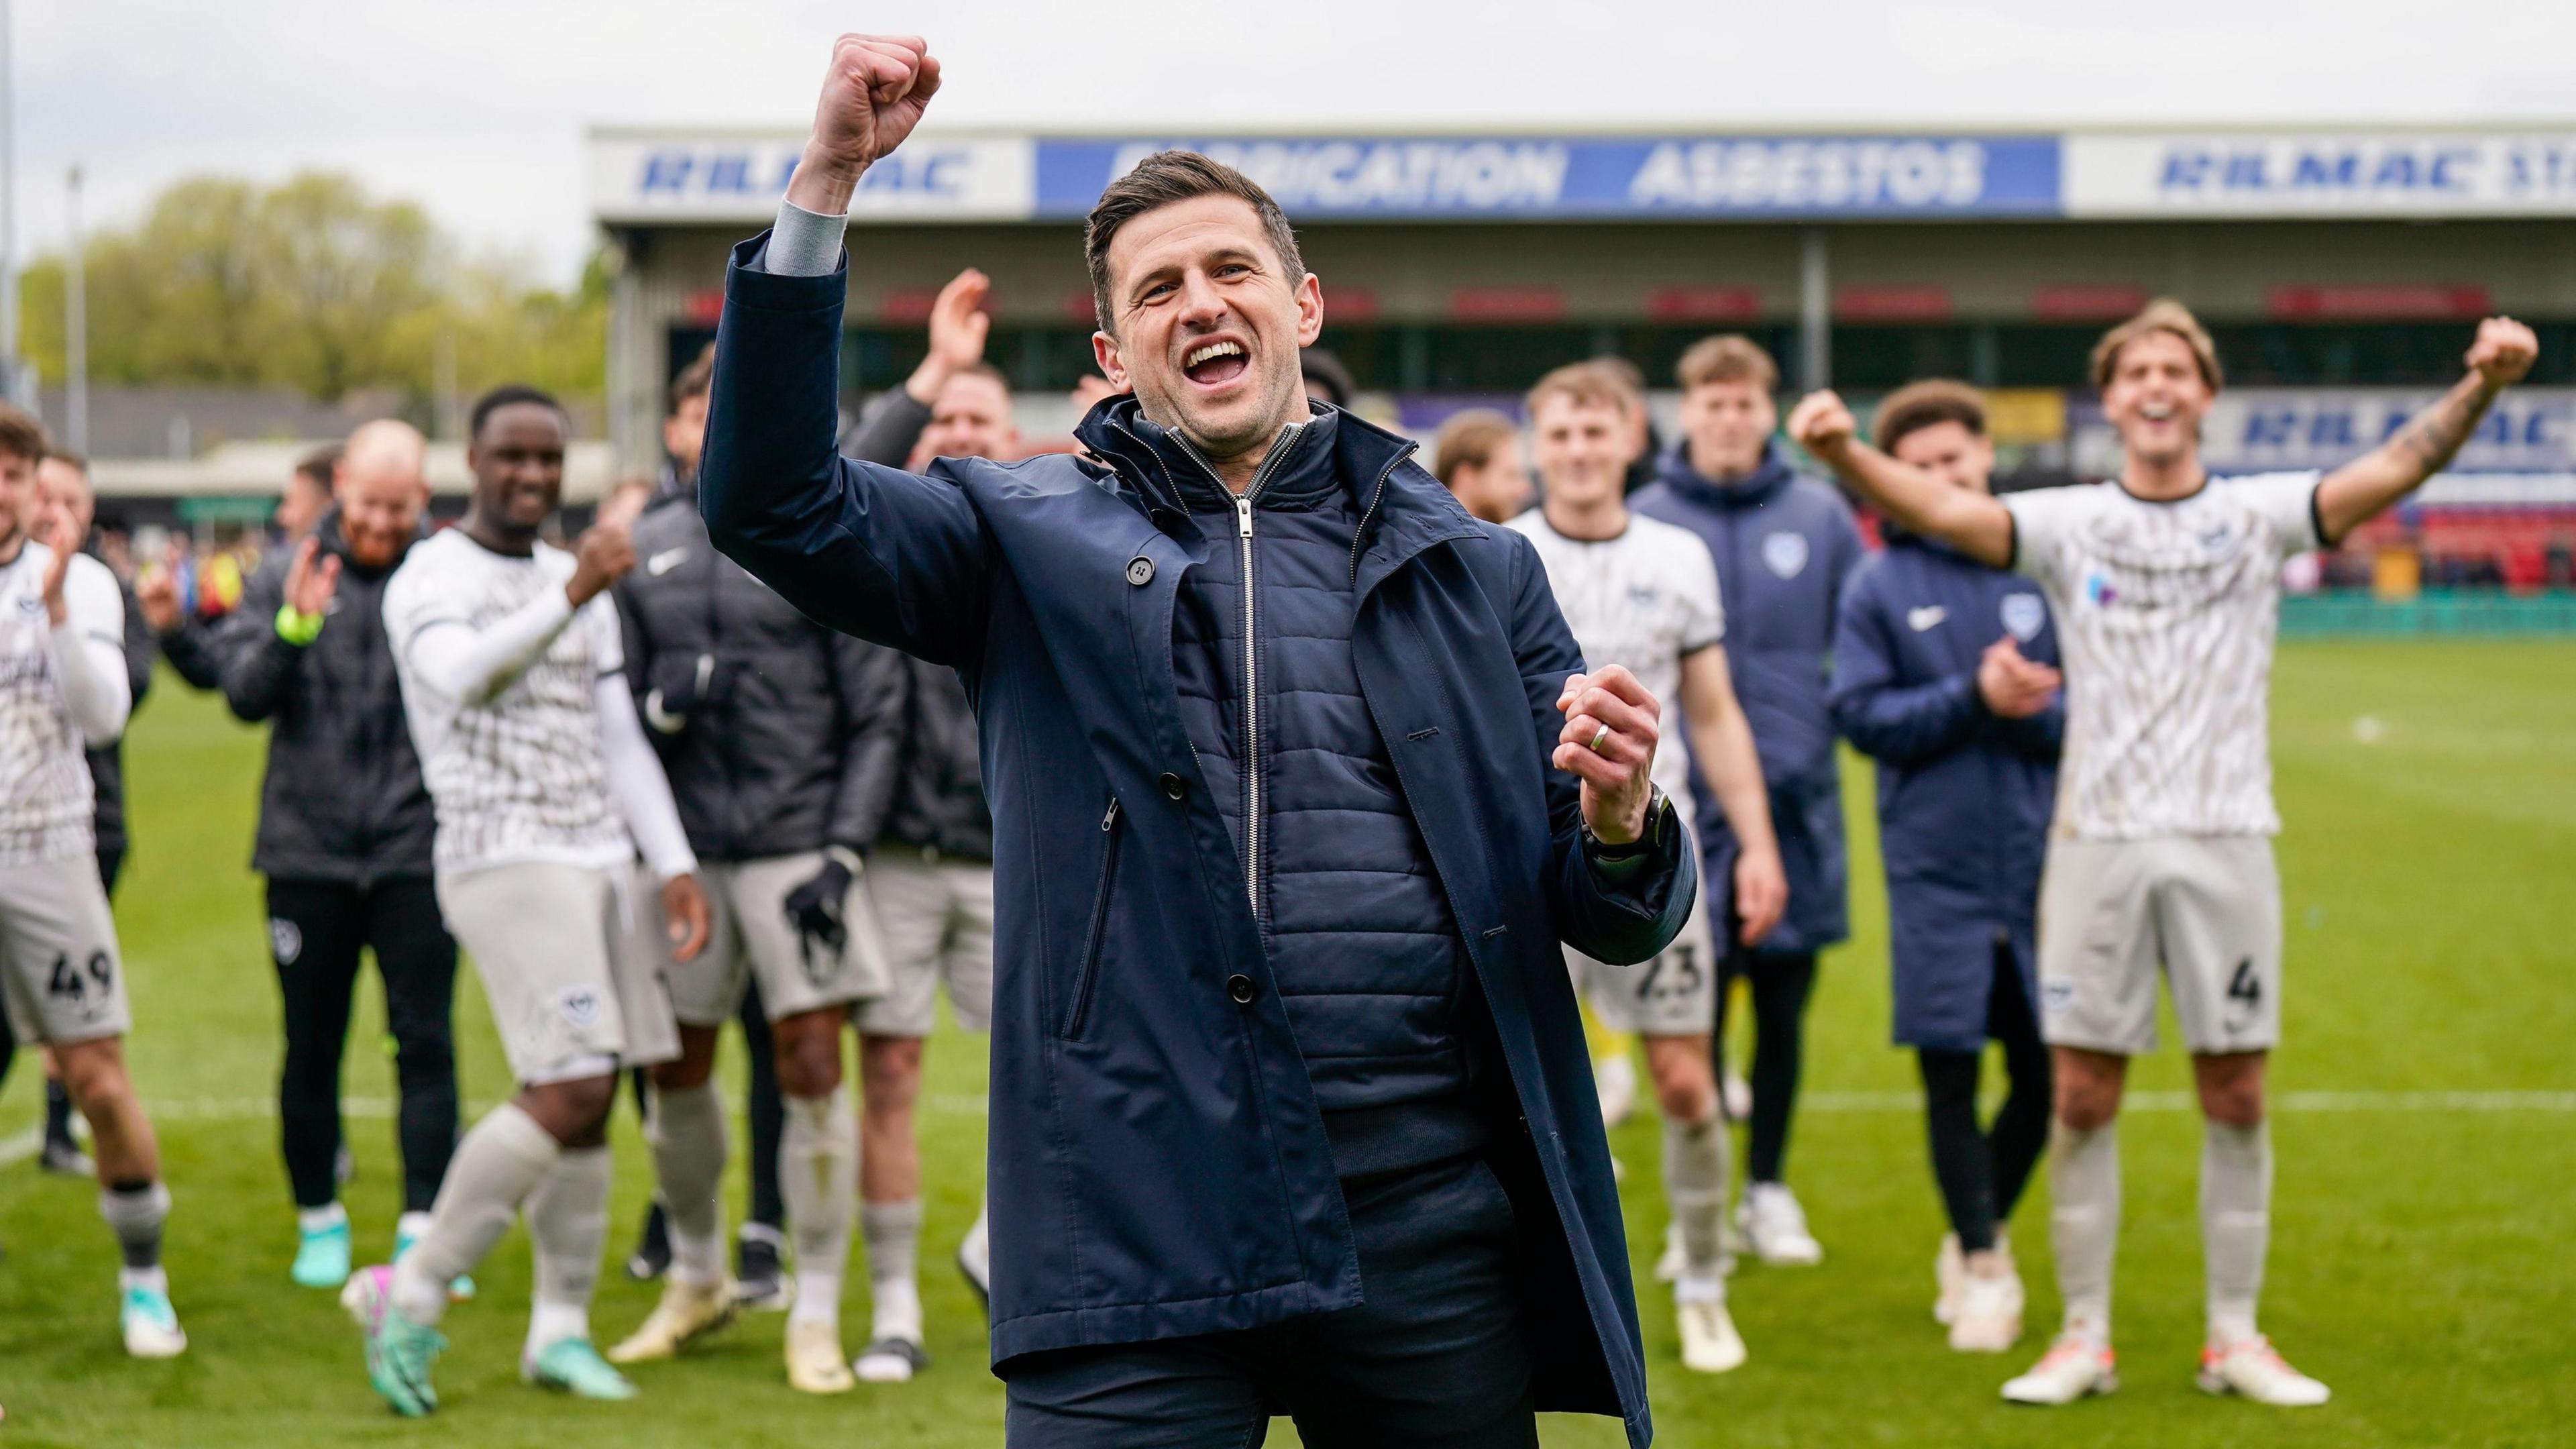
14	1150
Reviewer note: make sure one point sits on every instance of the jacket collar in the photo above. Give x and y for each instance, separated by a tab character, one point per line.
1763	484
1403	510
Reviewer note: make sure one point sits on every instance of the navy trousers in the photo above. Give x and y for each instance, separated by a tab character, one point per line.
1435	1359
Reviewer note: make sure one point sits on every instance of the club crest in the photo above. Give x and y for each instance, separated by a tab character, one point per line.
1785	554
286	939
2023	616
579	1005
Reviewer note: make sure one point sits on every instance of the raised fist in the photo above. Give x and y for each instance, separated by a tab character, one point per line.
2503	352
604	555
873	95
1821	423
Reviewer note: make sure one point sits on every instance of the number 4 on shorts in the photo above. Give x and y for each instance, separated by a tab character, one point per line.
2245	986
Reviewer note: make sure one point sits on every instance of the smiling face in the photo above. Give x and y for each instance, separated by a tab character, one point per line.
2156	397
1205	324
971	419
1582	448
381	492
1949	452
518	463
1728	425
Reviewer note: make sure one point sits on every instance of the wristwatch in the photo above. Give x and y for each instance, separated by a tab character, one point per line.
1658	806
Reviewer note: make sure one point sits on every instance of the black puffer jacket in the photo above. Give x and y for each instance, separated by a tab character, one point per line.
343	799
939	805
778	735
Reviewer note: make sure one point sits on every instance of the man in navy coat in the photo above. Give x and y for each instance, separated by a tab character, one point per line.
1945	671
1297	784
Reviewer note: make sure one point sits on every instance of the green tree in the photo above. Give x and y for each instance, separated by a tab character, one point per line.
314	285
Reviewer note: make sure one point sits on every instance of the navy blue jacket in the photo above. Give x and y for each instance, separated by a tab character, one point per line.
1158	1165
1963	796
1784	544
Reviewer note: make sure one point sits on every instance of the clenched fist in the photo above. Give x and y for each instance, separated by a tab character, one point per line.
2503	352
873	96
605	554
1821	423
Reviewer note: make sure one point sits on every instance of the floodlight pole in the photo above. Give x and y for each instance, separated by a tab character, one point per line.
75	320
12	374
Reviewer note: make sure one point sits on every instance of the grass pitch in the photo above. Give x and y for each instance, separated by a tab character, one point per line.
2426	1136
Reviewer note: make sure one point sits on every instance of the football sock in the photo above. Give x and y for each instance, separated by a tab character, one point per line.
687	1131
976	1253
58	1112
568	1223
2084	1223
2235	1224
322	1219
893	1234
1695	1185
135	1212
818	1175
495	1168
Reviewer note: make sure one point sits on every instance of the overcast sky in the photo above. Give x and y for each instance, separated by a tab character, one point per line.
476	107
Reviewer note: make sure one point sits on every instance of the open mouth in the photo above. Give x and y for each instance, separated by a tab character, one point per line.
1216	362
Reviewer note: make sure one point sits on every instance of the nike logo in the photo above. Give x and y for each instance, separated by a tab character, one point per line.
665	561
1916	619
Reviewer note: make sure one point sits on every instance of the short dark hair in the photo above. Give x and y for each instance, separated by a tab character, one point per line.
321	465
77	463
1164	179
1919	405
21	435
511	394
1469	439
695	380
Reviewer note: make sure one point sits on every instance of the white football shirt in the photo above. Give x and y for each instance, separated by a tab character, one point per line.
47	803
1643	599
518	777
2165	616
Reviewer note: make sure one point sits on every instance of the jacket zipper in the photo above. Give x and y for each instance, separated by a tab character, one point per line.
1270	464
1377	495
1078	1011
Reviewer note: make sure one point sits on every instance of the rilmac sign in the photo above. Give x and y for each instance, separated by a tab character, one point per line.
2345	175
642	177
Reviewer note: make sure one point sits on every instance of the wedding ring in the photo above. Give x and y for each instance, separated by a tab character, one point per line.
1599	738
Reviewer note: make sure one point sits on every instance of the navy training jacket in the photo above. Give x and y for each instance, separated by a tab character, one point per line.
1785	545
1158	1165
1963	796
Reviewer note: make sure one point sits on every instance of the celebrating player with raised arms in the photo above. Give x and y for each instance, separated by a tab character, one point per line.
63	689
544	790
1644	595
2165	585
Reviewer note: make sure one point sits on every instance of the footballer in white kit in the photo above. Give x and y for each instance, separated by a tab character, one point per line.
546	790
1643	595
63	689
2165	586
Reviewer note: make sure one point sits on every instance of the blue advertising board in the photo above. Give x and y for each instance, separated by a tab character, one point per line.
1396	178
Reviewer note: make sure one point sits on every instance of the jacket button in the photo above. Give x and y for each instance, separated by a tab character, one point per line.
1140	571
1240	988
1174	788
